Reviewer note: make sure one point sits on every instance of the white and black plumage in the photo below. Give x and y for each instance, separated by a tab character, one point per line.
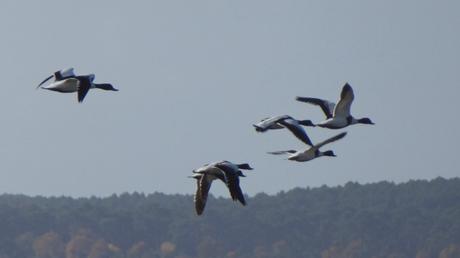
66	81
337	116
285	121
59	76
225	171
312	152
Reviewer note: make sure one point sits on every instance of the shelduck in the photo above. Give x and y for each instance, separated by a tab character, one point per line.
337	116
312	152
65	81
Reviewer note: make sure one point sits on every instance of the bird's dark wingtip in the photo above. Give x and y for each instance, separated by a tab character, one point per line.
301	99
347	86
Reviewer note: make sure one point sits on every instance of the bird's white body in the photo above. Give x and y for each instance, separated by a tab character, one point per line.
210	171
67	85
334	123
306	155
337	122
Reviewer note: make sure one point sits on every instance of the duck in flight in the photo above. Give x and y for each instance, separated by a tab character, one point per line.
337	116
285	121
312	152
66	81
225	171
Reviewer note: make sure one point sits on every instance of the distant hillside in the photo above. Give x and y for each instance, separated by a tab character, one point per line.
418	219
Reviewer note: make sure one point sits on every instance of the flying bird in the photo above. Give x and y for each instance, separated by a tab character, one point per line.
337	116
226	172
312	152
285	121
65	81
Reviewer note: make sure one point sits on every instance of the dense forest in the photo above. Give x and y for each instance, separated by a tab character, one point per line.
419	219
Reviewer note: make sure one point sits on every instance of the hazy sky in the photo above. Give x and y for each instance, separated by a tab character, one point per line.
195	75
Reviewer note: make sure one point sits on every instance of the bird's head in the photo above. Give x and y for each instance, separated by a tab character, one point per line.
105	86
365	120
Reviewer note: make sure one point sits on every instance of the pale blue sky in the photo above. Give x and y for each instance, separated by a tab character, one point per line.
193	77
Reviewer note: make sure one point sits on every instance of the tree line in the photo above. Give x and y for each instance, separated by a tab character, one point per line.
419	219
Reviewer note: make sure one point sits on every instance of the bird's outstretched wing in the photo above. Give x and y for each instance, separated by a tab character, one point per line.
326	106
201	195
84	84
332	139
343	107
295	128
282	152
233	183
45	80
